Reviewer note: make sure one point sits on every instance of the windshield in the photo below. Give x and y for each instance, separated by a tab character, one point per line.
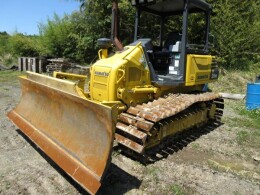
196	30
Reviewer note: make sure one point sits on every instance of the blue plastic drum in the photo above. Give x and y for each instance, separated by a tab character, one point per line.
253	96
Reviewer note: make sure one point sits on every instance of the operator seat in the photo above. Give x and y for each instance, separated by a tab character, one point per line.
172	38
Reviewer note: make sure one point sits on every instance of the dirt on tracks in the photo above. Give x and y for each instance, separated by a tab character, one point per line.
209	161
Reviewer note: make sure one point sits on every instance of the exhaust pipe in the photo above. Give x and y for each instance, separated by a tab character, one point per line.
115	26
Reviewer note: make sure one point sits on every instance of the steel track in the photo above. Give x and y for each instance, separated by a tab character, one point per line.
141	127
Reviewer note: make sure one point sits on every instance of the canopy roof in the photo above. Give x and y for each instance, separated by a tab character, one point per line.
170	7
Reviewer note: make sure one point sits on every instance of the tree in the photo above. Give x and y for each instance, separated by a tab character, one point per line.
54	35
236	26
22	45
4	40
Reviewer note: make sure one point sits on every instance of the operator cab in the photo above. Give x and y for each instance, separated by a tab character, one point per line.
177	19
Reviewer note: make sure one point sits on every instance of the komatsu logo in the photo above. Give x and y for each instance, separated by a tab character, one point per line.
202	76
105	74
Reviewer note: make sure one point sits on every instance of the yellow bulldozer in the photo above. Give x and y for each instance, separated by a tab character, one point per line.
136	96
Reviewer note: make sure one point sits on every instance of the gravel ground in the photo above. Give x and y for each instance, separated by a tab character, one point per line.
213	162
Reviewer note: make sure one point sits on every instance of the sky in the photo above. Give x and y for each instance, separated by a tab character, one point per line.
23	16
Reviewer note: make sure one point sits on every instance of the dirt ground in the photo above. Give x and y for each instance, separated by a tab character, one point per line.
211	160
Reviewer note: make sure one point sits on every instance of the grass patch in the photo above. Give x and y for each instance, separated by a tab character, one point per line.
230	167
242	137
241	122
236	193
248	117
251	138
251	120
254	114
235	81
9	76
215	165
154	175
232	82
177	190
195	145
245	123
154	172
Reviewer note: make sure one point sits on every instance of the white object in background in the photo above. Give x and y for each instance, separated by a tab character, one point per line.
176	47
176	63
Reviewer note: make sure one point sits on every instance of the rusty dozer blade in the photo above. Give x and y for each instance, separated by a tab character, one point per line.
76	133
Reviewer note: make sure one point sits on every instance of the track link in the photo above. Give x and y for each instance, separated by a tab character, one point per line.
144	126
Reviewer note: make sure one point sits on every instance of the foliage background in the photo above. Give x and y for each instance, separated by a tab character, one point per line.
234	24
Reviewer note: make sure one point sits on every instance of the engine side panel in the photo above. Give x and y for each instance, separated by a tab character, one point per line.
200	69
124	77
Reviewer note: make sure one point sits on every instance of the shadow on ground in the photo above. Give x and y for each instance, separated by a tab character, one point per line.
171	144
116	181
